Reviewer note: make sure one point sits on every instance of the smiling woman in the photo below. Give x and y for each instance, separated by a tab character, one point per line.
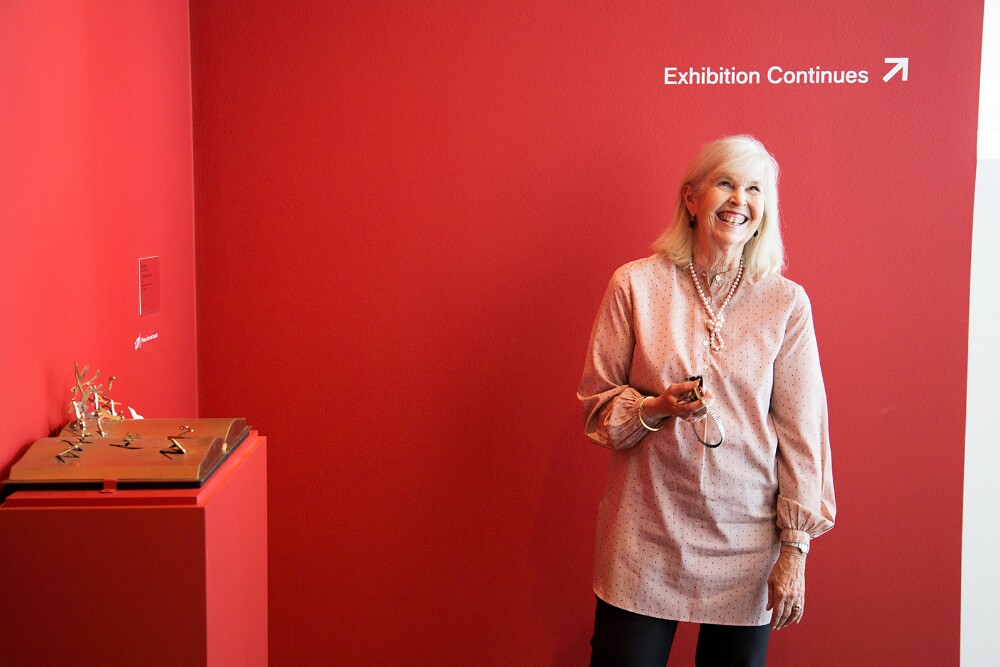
733	165
712	529
730	207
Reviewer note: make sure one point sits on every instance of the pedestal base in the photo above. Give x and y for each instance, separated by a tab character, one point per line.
139	577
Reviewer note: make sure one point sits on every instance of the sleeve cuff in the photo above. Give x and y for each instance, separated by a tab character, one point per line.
795	536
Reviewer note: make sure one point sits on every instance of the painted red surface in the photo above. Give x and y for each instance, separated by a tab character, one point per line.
408	213
102	580
236	588
95	172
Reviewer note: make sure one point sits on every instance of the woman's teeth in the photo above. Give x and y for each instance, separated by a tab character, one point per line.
732	218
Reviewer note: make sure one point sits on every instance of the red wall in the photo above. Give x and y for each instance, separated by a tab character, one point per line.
407	216
408	213
95	172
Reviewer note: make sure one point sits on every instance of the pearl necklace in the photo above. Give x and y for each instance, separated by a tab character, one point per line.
715	321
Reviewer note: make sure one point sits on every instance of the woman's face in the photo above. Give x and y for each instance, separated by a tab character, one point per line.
729	206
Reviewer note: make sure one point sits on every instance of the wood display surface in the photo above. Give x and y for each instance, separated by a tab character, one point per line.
133	450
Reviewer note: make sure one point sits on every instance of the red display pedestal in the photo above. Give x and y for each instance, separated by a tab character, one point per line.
139	577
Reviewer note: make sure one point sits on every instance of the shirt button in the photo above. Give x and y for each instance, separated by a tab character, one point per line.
704	343
718	278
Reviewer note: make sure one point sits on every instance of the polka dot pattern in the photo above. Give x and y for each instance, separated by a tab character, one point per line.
686	532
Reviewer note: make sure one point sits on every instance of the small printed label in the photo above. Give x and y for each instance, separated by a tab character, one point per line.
149	285
140	339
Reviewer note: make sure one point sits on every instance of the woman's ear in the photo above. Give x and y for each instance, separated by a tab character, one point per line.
689	199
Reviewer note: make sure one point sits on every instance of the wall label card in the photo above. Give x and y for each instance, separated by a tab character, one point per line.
149	285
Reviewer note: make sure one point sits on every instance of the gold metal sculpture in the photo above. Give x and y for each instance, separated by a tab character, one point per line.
176	447
89	401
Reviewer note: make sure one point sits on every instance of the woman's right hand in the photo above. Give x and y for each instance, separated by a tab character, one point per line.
671	403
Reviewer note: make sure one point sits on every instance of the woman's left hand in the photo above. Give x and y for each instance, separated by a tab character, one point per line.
786	588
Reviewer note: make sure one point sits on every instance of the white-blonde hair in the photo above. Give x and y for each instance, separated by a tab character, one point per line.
762	254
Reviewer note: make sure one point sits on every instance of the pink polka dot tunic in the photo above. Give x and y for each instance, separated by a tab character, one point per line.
686	532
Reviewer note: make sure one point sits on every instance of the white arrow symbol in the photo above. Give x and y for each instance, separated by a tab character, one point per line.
901	64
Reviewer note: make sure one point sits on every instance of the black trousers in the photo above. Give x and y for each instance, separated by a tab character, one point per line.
626	639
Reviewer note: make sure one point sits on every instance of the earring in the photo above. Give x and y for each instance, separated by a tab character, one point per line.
755	232
694	221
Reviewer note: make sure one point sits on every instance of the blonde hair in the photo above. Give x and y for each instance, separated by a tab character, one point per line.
762	254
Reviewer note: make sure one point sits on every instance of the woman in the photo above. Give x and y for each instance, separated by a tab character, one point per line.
716	486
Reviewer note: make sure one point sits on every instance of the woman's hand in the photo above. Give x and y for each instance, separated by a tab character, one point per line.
786	588
671	403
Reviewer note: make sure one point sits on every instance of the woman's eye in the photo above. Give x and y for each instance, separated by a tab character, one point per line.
754	188
725	184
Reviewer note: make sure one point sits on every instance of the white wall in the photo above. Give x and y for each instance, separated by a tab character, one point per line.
980	539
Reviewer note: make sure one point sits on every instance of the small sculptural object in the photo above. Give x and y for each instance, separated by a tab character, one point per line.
90	402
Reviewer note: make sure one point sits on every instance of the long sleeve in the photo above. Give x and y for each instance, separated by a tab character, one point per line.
806	503
610	405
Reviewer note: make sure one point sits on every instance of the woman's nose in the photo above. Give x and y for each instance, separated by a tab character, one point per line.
739	196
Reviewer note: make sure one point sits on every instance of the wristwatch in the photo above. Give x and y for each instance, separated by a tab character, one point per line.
801	546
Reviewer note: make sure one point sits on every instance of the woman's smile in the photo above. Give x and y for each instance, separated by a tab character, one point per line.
732	218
